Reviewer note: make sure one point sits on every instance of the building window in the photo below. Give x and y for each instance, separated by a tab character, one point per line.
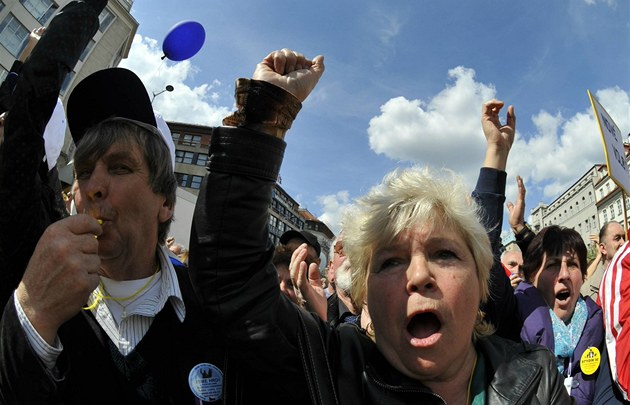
2	5
175	136
186	180
105	19
191	140
184	157
612	212
3	74
605	216
195	182
202	159
87	50
13	35
619	209
42	10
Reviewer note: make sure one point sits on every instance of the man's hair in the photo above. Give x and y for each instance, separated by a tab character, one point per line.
282	255
407	198
551	241
99	138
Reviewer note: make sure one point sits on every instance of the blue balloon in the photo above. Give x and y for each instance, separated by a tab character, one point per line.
183	41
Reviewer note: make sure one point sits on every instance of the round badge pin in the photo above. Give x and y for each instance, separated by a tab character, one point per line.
206	382
589	363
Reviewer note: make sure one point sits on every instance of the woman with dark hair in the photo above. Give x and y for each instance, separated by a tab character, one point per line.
555	315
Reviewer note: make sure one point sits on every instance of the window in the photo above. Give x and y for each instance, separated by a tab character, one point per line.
612	212
175	136
202	159
186	180
42	10
87	50
3	74
195	182
191	140
605	216
183	156
619	209
105	19
13	35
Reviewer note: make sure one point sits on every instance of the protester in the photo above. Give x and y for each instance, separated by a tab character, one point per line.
512	260
101	315
549	310
428	335
614	300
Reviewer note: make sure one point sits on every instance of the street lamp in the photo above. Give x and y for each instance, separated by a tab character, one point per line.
168	88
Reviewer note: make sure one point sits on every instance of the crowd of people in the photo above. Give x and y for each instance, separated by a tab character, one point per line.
419	302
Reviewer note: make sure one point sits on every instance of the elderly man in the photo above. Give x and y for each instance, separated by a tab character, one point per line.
101	315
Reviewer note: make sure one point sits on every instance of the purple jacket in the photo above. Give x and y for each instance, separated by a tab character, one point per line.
537	328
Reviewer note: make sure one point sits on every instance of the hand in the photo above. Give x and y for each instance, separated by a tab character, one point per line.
499	137
516	216
311	289
515	279
61	274
33	39
291	71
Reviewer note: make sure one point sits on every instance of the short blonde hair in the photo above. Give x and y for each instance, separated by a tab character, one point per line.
407	198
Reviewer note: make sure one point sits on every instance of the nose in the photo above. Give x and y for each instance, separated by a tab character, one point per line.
420	278
96	186
564	271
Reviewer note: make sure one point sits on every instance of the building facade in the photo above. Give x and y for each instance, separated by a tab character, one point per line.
110	45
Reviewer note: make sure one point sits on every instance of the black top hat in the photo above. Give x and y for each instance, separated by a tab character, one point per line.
114	92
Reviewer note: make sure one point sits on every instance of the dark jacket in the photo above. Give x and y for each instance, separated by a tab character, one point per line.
230	264
92	370
30	198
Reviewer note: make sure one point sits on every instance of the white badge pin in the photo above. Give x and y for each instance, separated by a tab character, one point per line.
206	382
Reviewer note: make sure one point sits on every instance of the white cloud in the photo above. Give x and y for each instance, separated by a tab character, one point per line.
333	206
195	105
562	150
443	132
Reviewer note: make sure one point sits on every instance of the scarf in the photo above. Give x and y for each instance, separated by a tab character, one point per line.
566	336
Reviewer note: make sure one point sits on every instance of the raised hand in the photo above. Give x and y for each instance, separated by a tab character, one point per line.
499	137
291	71
516	216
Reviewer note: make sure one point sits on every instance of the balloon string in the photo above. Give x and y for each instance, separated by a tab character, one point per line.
157	74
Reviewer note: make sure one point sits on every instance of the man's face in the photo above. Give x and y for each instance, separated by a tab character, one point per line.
339	256
613	238
115	189
513	260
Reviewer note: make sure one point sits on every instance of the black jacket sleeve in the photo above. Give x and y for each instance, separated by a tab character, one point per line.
28	204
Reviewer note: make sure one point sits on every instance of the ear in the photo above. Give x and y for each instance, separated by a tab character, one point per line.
166	211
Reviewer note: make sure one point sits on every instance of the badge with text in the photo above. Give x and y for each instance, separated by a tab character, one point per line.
589	363
206	382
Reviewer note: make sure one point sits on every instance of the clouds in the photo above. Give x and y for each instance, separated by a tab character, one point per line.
445	131
195	105
442	132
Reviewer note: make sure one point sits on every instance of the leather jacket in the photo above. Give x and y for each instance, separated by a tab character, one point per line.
231	270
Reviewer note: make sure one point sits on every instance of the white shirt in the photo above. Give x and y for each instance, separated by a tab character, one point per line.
125	322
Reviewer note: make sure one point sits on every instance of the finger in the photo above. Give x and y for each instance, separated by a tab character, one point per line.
511	118
492	107
290	61
317	65
83	224
510	206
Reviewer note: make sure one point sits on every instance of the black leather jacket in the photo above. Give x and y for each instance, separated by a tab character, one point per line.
230	265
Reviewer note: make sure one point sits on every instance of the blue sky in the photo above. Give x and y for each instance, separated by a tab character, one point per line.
404	84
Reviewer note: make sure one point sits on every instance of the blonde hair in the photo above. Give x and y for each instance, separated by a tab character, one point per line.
415	197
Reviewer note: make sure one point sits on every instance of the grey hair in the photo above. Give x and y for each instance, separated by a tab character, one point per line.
414	197
99	138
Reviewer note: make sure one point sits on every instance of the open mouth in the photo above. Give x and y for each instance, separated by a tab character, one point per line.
563	296
424	325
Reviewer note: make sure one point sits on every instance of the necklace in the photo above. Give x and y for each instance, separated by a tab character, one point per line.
99	295
472	373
